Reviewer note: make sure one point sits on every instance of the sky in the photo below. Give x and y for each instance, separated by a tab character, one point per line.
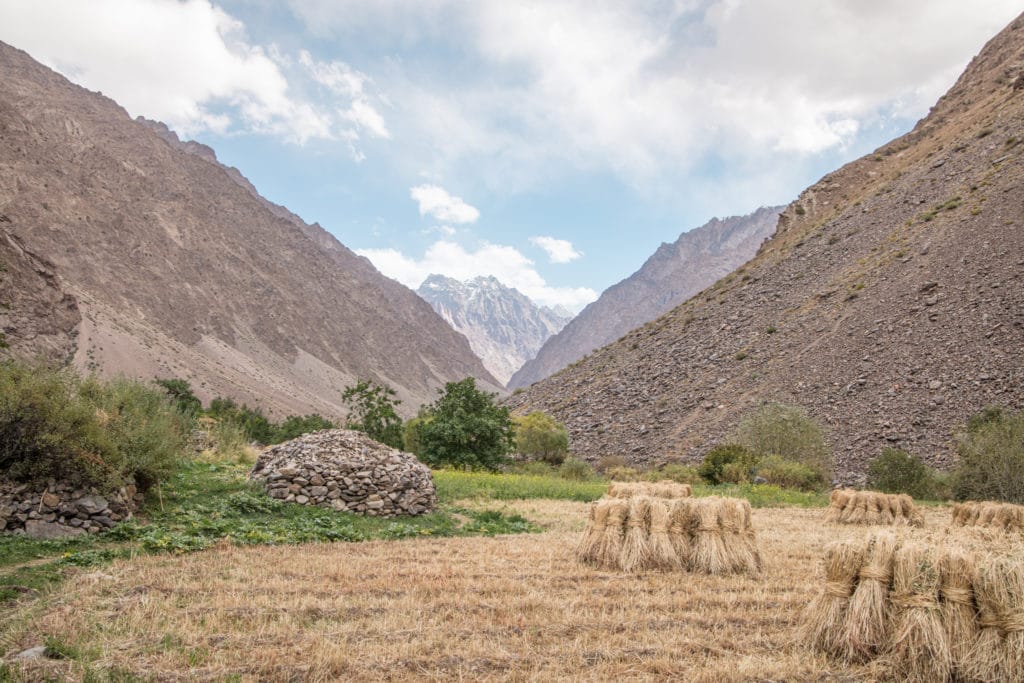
553	144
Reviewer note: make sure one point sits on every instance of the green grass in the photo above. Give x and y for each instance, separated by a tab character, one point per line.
455	485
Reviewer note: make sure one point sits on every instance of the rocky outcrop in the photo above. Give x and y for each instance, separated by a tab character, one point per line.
889	304
61	510
504	327
142	255
346	471
673	274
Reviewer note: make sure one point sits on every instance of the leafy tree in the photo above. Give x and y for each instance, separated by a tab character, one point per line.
412	432
788	432
991	463
540	436
252	420
727	462
896	471
467	429
295	426
181	393
371	409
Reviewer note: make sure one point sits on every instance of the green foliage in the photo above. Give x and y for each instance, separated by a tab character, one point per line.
230	443
991	458
295	426
55	424
682	474
896	471
791	475
252	420
372	411
453	485
788	432
623	473
411	433
467	429
180	392
731	463
540	436
577	470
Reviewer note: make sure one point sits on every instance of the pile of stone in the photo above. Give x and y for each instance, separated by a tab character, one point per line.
62	510
347	471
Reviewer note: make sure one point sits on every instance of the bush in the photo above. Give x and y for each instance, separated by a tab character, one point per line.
180	392
991	458
713	468
295	426
735	473
623	474
105	434
896	471
542	437
683	474
788	432
252	420
577	470
607	462
791	475
466	429
372	411
228	444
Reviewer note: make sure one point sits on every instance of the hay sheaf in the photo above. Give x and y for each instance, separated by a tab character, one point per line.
656	489
847	506
919	649
704	535
1003	516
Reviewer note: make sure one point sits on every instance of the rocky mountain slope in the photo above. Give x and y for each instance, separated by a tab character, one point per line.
504	327
672	275
889	303
135	253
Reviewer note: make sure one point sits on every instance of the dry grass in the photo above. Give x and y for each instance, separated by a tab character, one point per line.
510	608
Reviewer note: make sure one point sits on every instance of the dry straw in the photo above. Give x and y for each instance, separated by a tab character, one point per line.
681	523
636	546
587	549
847	506
662	552
998	653
825	618
919	649
1003	516
956	600
709	554
610	547
659	489
868	620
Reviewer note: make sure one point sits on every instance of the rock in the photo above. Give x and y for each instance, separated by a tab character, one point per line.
50	500
35	528
91	504
37	652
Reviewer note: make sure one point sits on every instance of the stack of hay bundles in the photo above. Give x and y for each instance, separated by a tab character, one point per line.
847	506
926	612
1005	516
706	535
657	489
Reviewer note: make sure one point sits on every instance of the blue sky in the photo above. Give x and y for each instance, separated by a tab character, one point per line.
552	144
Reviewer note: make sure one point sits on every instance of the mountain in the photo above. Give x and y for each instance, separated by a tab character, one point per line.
889	303
672	275
129	251
504	327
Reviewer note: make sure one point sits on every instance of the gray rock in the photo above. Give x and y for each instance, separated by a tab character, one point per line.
91	504
37	652
35	528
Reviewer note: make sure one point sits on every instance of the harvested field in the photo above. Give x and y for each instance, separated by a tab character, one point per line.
510	608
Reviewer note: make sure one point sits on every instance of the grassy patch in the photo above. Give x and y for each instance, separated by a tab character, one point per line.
764	495
453	485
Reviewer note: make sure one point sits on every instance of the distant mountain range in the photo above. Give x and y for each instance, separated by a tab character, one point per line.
504	327
889	304
128	251
674	273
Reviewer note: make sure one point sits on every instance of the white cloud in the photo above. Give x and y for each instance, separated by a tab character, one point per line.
435	201
505	263
559	251
190	64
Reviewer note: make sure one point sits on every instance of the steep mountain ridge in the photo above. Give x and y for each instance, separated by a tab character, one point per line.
177	267
889	303
505	328
673	274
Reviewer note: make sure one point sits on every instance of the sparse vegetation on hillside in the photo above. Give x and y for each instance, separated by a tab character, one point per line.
991	458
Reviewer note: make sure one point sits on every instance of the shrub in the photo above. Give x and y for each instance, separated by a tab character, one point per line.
991	453
252	420
712	469
735	473
180	392
576	470
295	426
896	471
623	474
372	411
228	444
788	432
683	474
466	429
542	437
791	475
607	462
105	434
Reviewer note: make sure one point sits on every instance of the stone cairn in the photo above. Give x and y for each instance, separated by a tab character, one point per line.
62	510
347	471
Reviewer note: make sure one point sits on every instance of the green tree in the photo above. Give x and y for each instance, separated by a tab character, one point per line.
371	409
467	429
295	426
991	453
896	471
788	432
412	432
540	436
181	393
252	420
726	462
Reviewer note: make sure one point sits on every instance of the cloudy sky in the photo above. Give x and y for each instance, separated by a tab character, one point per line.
551	144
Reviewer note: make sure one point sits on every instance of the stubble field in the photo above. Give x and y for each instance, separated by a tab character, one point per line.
509	608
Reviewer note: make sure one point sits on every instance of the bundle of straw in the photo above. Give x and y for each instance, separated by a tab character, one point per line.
665	488
919	650
682	521
739	557
709	554
1004	516
636	546
662	552
610	547
868	619
998	653
587	549
870	507
837	502
956	600
748	539
825	617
